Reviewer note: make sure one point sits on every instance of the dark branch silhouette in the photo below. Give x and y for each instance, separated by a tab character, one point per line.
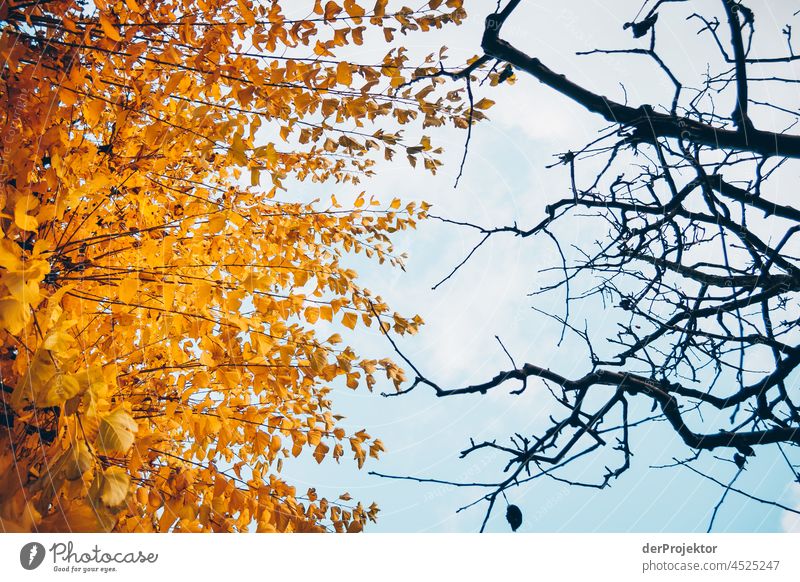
700	259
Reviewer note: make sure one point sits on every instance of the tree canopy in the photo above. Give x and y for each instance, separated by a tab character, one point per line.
162	294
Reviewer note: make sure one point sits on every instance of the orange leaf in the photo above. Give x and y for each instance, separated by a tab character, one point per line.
109	28
349	319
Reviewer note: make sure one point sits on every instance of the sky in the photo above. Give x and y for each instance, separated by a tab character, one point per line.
505	180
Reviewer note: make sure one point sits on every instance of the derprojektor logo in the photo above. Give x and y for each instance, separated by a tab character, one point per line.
31	555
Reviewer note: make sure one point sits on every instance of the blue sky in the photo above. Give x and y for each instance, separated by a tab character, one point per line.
505	180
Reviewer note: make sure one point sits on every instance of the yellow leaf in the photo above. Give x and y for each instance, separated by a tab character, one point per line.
275	444
247	14
318	360
13	315
312	314
21	217
116	432
58	341
132	5
320	451
261	442
23	286
344	74
10	255
353	9
238	151
331	10
127	289
92	380
108	28
169	295
484	103
78	461
349	319
58	390
380	8
93	111
268	153
114	486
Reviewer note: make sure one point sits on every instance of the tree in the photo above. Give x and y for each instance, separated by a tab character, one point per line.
159	353
699	258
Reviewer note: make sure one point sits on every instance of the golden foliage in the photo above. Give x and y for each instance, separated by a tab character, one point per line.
159	357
